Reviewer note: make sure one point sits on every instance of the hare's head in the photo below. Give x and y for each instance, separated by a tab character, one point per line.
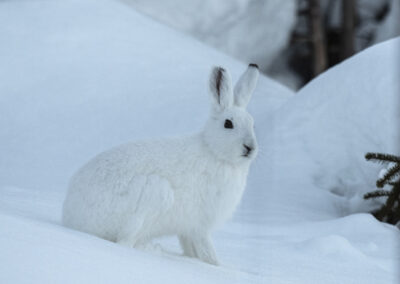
229	132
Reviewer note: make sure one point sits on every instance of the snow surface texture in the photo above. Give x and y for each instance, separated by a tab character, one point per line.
81	76
251	31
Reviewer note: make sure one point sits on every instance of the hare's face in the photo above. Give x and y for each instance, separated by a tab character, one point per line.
230	135
229	132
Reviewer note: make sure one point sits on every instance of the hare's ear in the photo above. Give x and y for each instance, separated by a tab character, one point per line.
246	85
221	88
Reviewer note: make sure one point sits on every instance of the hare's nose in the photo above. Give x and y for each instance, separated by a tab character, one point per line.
248	149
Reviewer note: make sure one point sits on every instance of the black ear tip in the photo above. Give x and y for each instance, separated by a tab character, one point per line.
253	65
218	71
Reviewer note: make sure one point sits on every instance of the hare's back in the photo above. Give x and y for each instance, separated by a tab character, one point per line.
115	168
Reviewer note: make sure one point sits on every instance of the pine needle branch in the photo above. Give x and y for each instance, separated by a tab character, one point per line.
382	158
390	211
393	172
377	193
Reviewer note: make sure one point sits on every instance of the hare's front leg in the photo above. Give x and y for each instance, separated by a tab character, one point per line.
200	247
187	246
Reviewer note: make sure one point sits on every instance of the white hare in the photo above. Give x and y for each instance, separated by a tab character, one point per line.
178	186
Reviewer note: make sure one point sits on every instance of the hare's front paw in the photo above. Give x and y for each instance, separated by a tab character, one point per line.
126	243
199	247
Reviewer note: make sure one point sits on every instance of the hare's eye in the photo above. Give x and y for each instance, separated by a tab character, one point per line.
228	124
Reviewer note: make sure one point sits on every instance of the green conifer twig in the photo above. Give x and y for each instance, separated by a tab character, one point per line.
389	175
376	193
390	211
382	158
387	212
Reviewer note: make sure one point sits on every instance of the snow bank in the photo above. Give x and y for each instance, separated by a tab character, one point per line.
36	249
355	109
41	252
319	138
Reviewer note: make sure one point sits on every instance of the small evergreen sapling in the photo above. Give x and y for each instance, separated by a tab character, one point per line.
390	211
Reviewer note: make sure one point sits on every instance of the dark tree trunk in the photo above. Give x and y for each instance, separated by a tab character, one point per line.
318	40
348	28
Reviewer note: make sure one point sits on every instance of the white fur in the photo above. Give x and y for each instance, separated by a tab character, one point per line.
178	186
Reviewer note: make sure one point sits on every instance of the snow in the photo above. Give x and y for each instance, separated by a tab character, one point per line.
81	76
90	71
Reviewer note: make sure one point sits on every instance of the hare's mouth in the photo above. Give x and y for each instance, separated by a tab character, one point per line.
247	155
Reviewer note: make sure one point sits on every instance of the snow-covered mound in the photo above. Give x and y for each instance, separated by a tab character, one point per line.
81	76
252	31
357	111
319	138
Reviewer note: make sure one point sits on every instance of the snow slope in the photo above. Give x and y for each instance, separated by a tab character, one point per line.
66	86
81	76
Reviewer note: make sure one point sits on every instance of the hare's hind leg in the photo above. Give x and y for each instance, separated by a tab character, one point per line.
130	233
151	196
